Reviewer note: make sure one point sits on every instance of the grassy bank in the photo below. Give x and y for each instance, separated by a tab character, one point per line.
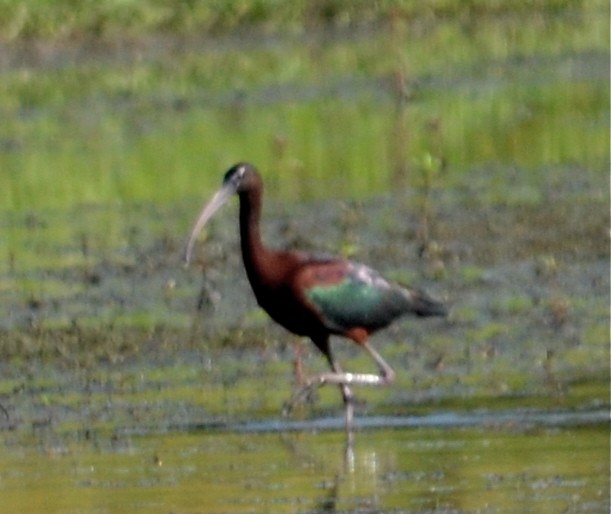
159	118
68	19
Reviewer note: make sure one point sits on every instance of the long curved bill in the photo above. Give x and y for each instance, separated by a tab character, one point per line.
217	201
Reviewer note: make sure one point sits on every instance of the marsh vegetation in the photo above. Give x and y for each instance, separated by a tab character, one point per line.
459	146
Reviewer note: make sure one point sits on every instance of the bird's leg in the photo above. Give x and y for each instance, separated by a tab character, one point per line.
300	377
346	394
344	380
309	386
313	384
387	374
385	377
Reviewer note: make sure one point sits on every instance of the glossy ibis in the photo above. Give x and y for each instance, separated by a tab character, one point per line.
315	295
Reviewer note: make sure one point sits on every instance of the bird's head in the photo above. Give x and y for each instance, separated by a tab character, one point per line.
240	178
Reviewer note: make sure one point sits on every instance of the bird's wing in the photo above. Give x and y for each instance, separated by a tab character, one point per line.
348	295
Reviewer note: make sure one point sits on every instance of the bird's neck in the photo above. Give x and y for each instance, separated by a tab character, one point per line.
254	253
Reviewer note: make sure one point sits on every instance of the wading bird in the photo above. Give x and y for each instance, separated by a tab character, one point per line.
315	295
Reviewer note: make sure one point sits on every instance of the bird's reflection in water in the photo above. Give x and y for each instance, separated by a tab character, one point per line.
344	466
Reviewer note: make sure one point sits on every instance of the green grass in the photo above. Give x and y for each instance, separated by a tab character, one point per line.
164	126
304	150
65	19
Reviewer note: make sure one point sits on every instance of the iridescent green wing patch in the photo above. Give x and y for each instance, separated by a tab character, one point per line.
359	297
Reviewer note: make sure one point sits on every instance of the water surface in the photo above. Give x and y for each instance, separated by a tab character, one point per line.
490	467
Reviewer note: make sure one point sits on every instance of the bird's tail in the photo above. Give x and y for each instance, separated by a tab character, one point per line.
422	304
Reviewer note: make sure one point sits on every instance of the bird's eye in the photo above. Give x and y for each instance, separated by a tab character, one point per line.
239	174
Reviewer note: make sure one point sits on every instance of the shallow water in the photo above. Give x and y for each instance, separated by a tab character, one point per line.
202	433
486	466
